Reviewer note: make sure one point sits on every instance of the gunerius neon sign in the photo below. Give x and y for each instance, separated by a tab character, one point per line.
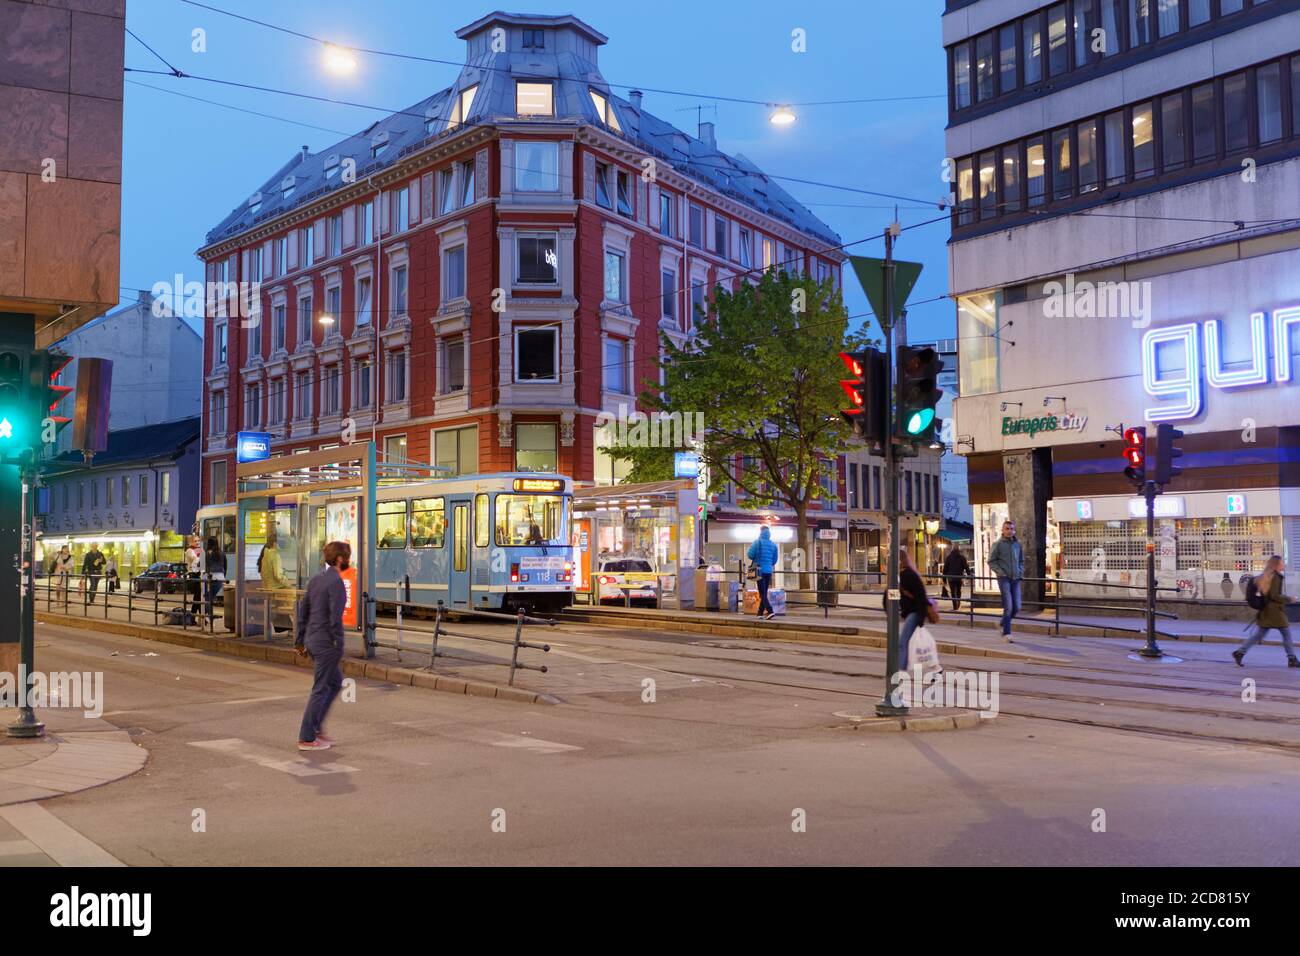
1179	362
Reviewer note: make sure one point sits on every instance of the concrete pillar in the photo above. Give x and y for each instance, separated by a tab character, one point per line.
1028	478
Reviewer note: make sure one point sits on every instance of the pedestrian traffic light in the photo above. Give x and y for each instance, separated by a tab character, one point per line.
14	410
1166	452
1135	454
47	394
918	394
868	411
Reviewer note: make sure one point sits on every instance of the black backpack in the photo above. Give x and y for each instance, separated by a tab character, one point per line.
1254	596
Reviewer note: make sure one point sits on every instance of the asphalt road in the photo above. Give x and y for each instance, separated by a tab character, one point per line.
741	742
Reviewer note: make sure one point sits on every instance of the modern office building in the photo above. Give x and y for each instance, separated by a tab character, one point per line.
1126	251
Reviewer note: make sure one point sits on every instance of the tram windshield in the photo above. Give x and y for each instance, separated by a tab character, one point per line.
532	519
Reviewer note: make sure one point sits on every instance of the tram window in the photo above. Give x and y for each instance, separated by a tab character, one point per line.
480	521
391	524
461	545
530	520
428	523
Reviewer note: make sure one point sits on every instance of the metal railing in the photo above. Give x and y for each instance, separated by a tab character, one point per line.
198	597
440	612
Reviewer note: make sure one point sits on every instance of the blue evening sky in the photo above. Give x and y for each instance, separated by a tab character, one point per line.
188	163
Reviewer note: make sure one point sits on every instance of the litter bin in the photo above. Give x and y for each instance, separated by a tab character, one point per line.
708	589
827	596
228	613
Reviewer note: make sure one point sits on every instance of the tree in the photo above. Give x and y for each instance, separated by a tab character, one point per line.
764	374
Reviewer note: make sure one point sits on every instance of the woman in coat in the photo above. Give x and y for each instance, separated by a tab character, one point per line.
1272	616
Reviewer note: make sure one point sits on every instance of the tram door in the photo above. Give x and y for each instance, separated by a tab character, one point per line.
459	566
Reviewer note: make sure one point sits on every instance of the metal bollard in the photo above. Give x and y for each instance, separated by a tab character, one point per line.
514	653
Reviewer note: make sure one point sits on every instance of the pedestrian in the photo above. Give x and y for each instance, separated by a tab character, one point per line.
1007	562
1271	614
320	634
955	568
913	604
194	571
92	567
62	570
110	575
763	554
214	564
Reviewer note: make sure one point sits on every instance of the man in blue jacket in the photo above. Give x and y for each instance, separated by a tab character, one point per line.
763	554
320	634
1007	561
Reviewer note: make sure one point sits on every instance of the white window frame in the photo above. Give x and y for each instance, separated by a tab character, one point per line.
446	271
444	363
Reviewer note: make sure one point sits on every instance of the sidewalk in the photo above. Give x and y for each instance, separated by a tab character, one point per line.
75	754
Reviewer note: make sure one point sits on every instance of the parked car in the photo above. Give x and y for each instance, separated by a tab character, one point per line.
623	578
162	576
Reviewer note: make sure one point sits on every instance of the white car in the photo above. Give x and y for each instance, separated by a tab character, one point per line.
622	578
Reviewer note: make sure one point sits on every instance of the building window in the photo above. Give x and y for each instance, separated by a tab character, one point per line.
460	106
538	259
1168	16
277	328
279	256
403	209
144	489
363	301
361	396
1139	23
720	236
302	395
216	484
453	364
1112	19
537	166
467	183
769	253
985	77
335	235
252	406
616	366
603	186
331	397
699	302
965	192
534	39
1087	163
1116	137
696	226
536	355
277	402
1036	172
446	191
217	414
395	449
453	272
1236	116
219	335
977	328
306	251
535	448
668	288
456	451
1172	133
397	285
1010	180
988	180
613	276
605	110
366	223
1007	59
1058	51
1144	145
395	375
1032	40
961	76
1085	21
1268	99
534	99
667	204
624	182
746	241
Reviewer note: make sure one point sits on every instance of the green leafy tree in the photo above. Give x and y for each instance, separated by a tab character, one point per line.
764	371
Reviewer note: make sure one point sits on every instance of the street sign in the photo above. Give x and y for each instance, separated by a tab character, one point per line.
871	273
686	464
253	446
828	534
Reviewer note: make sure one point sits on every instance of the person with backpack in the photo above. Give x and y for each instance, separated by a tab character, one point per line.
763	553
1007	562
92	568
1266	596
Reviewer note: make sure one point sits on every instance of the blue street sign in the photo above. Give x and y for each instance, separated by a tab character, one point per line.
253	446
686	464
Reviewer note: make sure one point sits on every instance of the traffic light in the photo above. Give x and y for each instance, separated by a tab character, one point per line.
15	413
1135	454
868	413
918	394
47	395
1166	452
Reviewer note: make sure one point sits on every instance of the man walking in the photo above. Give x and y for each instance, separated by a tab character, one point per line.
763	554
1007	562
955	568
92	566
320	634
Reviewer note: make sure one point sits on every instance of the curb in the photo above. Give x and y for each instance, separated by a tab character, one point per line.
962	721
352	666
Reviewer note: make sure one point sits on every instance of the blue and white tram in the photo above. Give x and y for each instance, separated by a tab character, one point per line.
494	541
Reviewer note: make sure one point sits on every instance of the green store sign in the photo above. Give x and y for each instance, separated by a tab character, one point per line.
1044	423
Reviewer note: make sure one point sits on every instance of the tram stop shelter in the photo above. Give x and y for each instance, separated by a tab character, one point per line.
287	509
653	521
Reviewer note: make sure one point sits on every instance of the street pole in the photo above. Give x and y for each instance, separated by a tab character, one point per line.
1151	649
27	725
887	707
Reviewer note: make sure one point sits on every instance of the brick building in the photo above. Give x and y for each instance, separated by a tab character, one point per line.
471	281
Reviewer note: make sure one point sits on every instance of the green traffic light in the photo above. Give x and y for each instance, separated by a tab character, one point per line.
920	421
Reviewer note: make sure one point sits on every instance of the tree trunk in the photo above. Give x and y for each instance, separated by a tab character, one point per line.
805	543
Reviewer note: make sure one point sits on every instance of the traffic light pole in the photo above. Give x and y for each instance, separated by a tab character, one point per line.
1152	649
27	725
887	707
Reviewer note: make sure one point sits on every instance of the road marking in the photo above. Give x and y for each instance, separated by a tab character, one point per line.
489	738
531	744
256	700
18	848
51	836
265	757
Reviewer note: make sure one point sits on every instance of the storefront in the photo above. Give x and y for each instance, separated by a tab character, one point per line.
133	550
651	522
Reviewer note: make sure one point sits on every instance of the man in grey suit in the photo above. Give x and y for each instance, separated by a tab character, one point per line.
320	634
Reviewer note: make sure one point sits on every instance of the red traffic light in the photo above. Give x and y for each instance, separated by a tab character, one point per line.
854	390
855	367
1134	456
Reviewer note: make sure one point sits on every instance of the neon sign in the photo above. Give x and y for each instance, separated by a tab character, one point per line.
1181	383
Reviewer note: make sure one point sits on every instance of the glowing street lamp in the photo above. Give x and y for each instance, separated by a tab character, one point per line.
781	116
326	319
339	59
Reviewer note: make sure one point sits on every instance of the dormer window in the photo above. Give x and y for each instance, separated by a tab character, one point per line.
378	144
332	166
287	186
255	202
534	99
534	39
605	110
461	107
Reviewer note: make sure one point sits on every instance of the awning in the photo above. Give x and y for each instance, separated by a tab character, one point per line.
647	494
957	531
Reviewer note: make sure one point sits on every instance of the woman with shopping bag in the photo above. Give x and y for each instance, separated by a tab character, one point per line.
914	606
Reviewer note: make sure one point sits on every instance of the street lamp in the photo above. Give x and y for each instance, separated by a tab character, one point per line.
326	319
781	116
339	59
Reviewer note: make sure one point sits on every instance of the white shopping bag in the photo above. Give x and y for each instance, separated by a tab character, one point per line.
922	652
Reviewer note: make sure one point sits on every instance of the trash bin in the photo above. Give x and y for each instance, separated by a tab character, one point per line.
827	596
229	614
